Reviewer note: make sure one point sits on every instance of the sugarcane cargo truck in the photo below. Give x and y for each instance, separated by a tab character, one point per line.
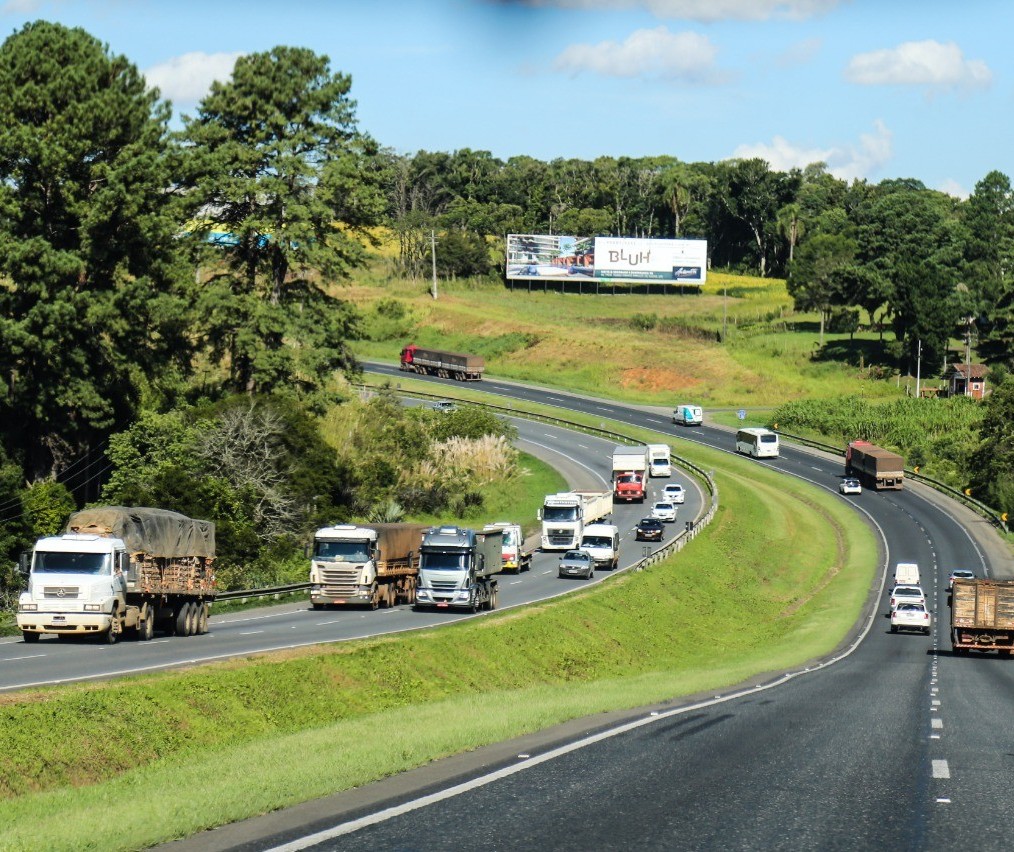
565	515
458	567
515	556
630	470
448	365
118	570
982	616
372	565
874	466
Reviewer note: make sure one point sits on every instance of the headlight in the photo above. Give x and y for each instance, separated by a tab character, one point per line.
29	607
463	596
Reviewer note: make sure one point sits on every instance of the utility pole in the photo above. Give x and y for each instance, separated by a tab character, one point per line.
433	256
725	309
918	368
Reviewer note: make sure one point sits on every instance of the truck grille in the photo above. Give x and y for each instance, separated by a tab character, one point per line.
339	582
60	593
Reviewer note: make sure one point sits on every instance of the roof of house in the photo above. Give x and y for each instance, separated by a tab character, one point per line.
968	371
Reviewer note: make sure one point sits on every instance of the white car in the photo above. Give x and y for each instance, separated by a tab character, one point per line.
664	511
959	574
911	616
444	405
674	493
907	594
850	485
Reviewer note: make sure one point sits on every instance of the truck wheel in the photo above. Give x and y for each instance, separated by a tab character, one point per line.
180	623
110	635
146	628
30	636
202	618
374	598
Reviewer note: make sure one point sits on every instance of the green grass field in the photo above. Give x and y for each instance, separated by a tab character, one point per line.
777	579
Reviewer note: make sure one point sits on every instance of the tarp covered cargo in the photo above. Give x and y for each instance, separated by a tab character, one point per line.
157	532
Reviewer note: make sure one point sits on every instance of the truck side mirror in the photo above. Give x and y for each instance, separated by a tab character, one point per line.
25	562
539	515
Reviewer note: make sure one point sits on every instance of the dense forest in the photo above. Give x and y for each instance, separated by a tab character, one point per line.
169	325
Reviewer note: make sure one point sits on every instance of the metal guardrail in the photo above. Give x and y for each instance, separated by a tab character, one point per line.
241	594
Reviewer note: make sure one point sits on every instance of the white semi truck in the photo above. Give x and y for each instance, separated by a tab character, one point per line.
457	568
565	515
370	565
119	569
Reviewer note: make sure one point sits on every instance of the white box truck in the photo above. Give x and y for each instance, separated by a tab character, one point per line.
565	515
602	541
515	557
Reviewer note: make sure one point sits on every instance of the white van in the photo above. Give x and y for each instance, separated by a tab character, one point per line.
906	574
686	414
602	541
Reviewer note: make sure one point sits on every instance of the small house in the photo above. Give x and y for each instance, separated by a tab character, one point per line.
966	380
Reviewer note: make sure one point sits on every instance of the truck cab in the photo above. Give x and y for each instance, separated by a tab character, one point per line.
456	566
76	582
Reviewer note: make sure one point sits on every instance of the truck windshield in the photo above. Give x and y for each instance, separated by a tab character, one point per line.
508	538
559	513
342	551
70	563
437	560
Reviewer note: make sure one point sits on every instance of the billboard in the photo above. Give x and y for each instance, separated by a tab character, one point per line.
614	259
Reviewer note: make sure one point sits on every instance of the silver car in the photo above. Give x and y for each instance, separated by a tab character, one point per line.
577	563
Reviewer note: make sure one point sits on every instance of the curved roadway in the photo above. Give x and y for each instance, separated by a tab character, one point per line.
897	745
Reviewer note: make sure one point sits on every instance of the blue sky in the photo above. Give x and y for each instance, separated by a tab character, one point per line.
876	89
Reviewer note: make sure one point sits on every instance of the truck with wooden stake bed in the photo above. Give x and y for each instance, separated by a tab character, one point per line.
457	568
516	557
630	472
369	565
117	571
447	365
874	466
982	616
565	515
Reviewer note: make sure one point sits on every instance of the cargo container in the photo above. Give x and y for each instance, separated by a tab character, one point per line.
982	616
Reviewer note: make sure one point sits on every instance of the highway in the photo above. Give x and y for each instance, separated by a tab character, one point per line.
584	461
896	745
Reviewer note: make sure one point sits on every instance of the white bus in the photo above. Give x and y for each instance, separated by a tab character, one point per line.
759	443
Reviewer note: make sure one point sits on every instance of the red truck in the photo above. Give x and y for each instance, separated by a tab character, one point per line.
448	365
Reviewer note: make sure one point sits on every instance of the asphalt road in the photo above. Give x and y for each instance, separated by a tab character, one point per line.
894	744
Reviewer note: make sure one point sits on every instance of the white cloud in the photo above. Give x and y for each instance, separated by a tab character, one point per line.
706	11
21	7
952	187
186	79
918	63
846	162
799	53
645	53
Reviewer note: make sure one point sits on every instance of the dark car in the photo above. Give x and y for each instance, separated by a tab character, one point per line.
649	529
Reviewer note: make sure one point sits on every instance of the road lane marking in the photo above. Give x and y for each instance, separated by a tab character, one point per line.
251	633
941	769
26	657
936	723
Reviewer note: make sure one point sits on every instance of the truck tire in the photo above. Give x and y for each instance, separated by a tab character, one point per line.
182	619
30	636
111	634
146	627
374	597
202	619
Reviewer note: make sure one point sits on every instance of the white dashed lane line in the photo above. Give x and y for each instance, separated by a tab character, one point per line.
941	769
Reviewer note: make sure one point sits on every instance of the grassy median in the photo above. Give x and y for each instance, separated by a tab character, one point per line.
778	578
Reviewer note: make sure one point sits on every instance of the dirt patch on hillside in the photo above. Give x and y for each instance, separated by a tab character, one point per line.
656	379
